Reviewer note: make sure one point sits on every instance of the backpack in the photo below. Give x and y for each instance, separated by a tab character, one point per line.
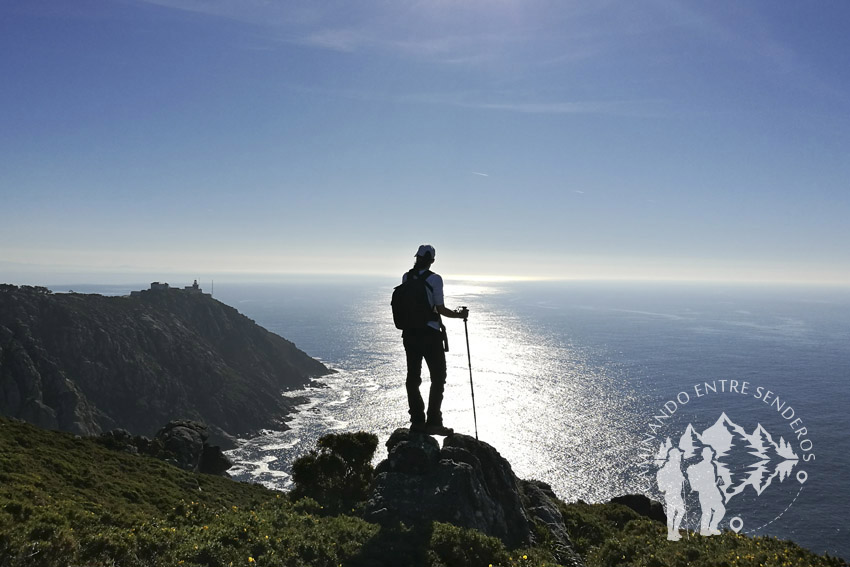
411	309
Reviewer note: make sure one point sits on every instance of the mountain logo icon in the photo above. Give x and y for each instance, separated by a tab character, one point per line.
718	464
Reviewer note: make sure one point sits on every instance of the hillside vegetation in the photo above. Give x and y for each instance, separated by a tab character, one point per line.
66	500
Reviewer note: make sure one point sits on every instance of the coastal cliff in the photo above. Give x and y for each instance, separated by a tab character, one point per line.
90	363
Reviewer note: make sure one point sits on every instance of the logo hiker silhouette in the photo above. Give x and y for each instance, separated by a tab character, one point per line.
418	306
703	479
671	482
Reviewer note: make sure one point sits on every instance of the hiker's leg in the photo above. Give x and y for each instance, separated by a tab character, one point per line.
435	357
413	350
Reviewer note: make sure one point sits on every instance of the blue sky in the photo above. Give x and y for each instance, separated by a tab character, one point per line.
646	140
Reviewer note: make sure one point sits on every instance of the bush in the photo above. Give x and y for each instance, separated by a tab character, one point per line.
337	475
451	545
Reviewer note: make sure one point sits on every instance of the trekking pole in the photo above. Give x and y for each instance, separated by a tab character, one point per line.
471	388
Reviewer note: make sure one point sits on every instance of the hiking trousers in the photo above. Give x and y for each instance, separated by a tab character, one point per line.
425	344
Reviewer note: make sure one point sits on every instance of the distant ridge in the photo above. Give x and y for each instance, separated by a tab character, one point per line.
89	363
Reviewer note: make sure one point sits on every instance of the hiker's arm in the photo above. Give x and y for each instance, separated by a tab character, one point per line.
446	312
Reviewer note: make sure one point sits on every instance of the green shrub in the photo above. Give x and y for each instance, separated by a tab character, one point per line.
451	545
337	475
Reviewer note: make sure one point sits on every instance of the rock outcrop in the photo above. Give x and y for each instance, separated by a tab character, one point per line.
90	363
182	443
643	506
467	483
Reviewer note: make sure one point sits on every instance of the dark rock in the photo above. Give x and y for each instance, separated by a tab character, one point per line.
540	504
121	440
497	477
412	454
643	506
214	461
183	441
466	483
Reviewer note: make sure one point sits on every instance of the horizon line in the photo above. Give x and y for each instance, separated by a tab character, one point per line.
124	278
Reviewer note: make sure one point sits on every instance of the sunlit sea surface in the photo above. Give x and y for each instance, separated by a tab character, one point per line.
568	377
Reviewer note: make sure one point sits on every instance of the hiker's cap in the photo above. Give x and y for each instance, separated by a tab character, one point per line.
426	251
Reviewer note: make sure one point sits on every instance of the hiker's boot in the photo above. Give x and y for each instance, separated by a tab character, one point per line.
439	430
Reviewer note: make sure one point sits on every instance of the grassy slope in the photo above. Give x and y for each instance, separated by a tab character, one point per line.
69	501
612	535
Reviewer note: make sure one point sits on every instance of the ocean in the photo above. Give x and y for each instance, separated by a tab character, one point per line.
587	385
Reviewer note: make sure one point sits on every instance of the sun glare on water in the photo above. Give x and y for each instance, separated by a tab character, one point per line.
538	400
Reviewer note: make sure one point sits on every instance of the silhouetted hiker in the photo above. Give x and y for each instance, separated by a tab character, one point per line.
422	333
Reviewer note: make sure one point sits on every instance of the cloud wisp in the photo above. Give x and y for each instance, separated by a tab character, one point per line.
470	33
506	102
485	102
